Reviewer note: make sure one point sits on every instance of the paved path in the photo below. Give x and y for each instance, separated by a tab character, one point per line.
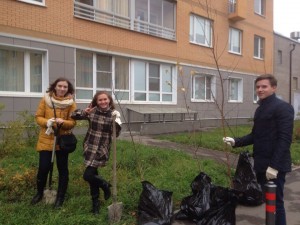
244	215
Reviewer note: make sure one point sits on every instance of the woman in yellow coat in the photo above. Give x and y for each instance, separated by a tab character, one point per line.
60	94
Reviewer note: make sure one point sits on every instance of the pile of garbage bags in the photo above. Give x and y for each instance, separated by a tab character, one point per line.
208	204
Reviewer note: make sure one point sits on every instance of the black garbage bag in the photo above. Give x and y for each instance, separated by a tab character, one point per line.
222	207
194	206
245	182
155	206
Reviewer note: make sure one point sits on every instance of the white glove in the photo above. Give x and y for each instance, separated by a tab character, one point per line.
50	122
116	113
229	141
271	173
118	117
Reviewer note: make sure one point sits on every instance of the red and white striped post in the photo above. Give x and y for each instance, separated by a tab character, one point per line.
270	203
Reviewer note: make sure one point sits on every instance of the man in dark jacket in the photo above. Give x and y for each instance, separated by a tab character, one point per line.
271	137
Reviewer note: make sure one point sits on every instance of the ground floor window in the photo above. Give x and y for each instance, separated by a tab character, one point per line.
235	89
203	88
21	70
127	79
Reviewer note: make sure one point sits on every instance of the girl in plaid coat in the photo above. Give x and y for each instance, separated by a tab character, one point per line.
97	143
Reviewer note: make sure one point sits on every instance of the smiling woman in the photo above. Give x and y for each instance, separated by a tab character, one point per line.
286	16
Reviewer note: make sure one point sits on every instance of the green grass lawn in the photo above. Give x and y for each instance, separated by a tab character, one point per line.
212	139
166	169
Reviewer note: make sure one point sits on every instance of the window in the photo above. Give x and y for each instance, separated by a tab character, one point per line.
259	47
295	83
200	30
21	71
203	88
255	97
94	72
232	6
35	2
279	55
235	40
259	7
155	17
151	82
235	90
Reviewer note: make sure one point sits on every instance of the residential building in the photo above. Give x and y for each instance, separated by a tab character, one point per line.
162	60
287	68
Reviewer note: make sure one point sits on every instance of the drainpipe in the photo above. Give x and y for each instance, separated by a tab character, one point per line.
291	51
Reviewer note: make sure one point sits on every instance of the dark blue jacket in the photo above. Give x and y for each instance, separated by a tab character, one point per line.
271	135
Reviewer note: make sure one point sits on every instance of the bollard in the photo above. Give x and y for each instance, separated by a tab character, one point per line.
270	203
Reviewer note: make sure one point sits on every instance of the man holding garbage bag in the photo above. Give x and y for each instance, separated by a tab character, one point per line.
271	137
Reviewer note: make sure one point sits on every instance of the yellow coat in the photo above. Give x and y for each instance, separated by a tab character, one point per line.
44	112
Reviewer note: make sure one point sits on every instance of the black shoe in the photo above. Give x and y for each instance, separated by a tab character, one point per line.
106	189
105	186
96	207
37	198
59	202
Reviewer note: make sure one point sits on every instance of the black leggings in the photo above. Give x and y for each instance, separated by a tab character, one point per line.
45	166
89	175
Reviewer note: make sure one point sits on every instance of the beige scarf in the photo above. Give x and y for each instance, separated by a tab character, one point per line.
59	102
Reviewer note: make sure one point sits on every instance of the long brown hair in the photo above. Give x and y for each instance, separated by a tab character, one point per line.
53	85
94	101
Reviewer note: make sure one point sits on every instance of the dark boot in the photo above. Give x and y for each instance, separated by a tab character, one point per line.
96	205
37	198
105	186
59	201
40	192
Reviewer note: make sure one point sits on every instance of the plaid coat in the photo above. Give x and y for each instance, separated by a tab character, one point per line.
97	141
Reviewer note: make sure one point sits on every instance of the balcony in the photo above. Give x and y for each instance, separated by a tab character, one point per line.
237	10
88	12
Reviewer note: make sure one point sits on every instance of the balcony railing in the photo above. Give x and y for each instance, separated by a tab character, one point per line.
92	13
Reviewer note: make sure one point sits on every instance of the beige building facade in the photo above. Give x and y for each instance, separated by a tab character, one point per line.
165	61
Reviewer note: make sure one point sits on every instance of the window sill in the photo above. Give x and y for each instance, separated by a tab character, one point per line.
33	2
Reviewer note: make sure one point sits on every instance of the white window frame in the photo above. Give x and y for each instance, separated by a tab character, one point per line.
34	2
44	71
235	41
255	96
239	89
206	30
260	47
94	87
163	90
195	88
147	92
259	7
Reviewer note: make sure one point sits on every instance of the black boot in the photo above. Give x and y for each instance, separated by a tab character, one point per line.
59	201
40	183
105	186
37	198
96	205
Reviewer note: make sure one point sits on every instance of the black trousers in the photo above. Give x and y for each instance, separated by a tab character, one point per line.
89	175
44	169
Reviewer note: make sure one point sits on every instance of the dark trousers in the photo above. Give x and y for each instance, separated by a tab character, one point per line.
44	169
89	175
280	181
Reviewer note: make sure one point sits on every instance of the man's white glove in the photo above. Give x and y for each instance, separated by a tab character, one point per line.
118	117
229	141
271	173
49	125
50	122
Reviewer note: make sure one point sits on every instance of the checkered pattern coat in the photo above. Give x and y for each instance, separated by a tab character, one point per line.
98	139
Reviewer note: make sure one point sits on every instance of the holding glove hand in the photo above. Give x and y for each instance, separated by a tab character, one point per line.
118	117
49	125
50	122
271	173
229	141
